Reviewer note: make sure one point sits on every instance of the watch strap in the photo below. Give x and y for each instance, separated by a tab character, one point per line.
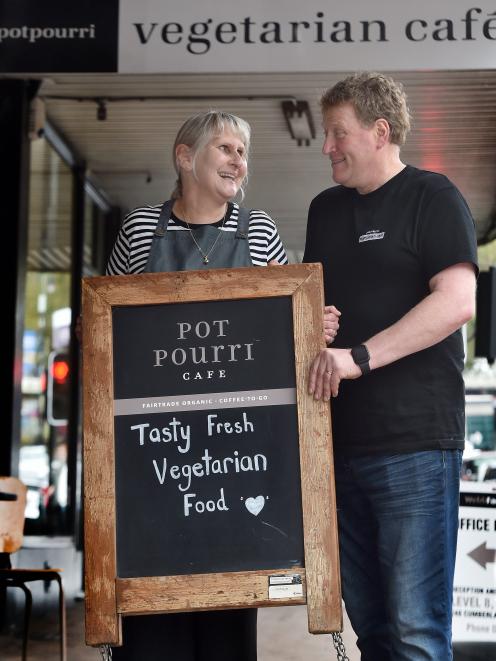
361	357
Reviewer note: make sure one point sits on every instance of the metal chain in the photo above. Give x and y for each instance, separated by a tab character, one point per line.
199	248
339	647
106	652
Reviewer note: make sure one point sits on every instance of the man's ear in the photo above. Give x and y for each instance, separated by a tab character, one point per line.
184	158
383	132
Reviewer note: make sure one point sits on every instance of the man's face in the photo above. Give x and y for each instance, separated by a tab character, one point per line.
352	148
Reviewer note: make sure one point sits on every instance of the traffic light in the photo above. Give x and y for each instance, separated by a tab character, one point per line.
58	388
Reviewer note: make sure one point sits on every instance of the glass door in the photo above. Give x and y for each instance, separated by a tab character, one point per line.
46	369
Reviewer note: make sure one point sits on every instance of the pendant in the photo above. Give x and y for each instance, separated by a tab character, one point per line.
205	259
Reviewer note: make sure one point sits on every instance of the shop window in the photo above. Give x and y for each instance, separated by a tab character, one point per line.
44	439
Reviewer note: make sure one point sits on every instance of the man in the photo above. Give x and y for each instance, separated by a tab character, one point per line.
399	253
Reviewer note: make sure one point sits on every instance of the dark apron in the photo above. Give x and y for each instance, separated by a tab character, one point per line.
212	635
175	250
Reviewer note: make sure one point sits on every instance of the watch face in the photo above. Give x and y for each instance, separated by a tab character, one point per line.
360	354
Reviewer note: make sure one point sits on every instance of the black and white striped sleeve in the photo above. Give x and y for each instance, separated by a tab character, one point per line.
265	242
118	263
132	247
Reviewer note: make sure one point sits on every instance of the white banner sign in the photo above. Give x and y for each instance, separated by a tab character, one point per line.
474	594
316	35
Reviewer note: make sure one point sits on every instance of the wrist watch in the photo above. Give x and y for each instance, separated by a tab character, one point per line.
361	356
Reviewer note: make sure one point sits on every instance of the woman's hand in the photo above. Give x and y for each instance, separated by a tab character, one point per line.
331	323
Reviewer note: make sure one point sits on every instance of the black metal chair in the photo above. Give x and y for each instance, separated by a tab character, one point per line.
12	507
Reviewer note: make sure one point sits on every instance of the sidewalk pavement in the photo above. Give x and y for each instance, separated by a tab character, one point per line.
283	636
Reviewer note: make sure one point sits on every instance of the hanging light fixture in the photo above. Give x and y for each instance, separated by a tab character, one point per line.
299	120
101	110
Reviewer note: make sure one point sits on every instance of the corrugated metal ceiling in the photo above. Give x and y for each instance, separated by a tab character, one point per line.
454	132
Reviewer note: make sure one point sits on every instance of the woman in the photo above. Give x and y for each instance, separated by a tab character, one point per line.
199	228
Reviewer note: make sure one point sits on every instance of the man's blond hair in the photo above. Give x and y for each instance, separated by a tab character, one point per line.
373	96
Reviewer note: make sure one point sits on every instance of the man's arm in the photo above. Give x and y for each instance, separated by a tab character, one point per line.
450	304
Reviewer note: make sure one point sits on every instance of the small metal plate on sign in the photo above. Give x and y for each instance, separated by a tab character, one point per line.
285	586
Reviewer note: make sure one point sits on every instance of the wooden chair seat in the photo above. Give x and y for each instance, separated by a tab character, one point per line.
11	536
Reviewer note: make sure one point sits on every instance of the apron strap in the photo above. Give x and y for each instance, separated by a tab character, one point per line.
163	219
159	233
243	223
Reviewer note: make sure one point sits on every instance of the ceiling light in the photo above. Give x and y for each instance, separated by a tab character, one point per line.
101	111
299	121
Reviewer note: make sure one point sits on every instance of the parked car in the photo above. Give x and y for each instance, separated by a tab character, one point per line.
480	468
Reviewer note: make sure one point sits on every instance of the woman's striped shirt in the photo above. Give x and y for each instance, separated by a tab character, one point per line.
133	244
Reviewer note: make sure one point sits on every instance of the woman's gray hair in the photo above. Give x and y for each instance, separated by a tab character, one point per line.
199	129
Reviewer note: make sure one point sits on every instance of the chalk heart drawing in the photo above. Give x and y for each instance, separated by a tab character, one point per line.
255	505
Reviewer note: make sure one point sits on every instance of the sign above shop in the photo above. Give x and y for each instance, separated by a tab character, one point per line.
178	37
315	36
55	36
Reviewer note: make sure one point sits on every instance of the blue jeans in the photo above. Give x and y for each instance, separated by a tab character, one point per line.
398	523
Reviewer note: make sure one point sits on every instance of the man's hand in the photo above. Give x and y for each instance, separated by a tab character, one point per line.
328	369
331	323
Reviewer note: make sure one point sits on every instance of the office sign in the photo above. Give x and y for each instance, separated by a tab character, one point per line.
474	594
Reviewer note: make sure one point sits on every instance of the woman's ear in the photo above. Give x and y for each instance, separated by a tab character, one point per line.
184	157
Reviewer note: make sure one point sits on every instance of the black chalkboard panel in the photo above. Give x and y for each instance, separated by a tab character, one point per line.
206	438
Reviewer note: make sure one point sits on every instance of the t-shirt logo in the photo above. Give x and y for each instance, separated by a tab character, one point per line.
371	235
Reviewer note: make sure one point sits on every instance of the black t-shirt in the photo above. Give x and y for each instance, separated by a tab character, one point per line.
379	252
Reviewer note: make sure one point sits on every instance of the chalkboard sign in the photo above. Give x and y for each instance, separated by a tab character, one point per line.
201	485
208	467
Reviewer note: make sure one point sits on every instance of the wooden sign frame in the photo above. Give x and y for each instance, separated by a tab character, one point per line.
109	597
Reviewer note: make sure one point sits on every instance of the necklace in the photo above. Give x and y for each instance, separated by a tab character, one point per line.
209	252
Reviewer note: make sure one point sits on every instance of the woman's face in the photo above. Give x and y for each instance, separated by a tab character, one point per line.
221	166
